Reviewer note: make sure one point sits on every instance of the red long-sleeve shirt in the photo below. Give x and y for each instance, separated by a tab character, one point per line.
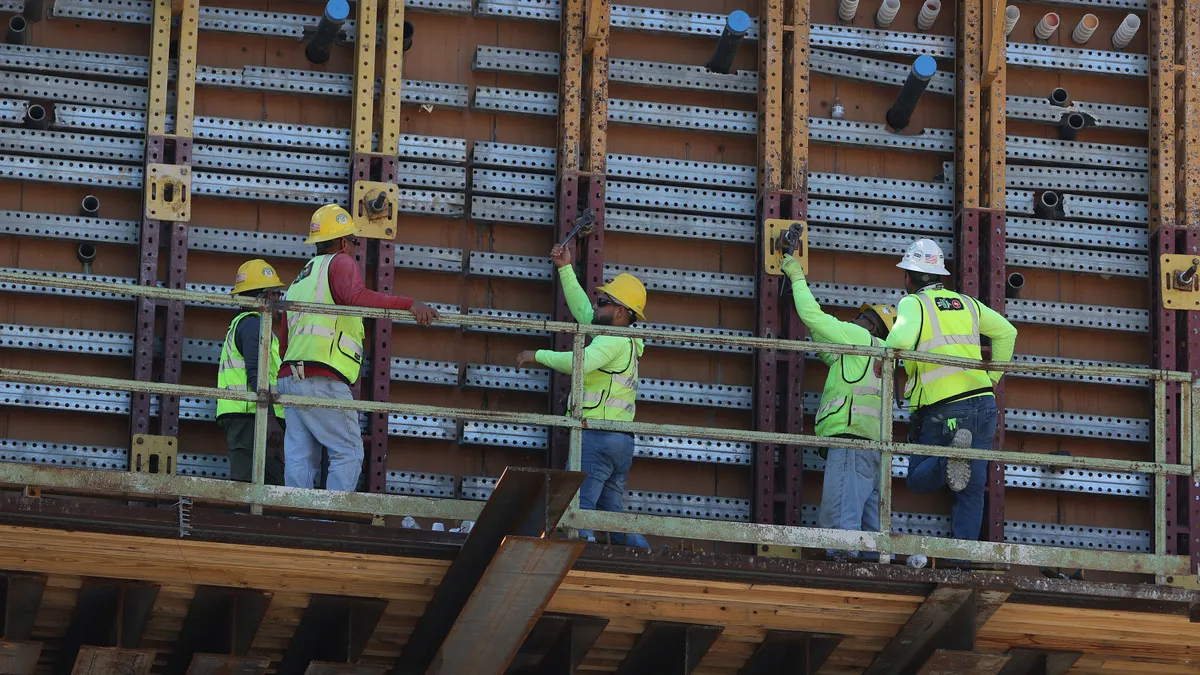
347	287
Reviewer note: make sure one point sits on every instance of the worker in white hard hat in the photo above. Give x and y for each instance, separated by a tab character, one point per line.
950	406
610	383
850	408
325	352
237	370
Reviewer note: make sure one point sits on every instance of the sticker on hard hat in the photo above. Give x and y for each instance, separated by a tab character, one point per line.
931	258
948	304
240	277
314	227
341	219
268	272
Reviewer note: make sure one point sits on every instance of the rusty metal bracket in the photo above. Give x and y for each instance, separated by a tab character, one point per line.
774	231
153	454
376	206
1180	281
168	192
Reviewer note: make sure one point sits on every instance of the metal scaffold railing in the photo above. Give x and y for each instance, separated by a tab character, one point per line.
258	495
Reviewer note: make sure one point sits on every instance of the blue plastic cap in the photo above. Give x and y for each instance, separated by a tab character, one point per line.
738	21
924	67
337	10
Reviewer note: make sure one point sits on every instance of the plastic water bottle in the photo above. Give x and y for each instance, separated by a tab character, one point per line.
439	527
409	524
917	560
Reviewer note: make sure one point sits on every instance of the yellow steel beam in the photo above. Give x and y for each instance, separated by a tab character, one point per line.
967	104
797	99
770	95
994	128
1187	190
1162	114
393	76
596	110
362	125
993	35
185	80
570	94
160	56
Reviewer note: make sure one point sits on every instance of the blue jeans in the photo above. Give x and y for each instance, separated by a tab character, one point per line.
933	425
850	496
311	429
606	458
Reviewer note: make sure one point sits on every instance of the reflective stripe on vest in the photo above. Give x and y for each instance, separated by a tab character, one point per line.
331	340
932	382
232	375
612	395
851	399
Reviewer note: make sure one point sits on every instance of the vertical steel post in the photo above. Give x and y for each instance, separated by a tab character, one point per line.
570	103
888	395
795	189
262	386
163	149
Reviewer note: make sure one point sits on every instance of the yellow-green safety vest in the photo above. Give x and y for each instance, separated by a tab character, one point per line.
328	339
231	372
949	326
851	401
611	394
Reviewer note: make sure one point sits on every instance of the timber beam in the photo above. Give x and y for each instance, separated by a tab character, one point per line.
557	645
332	633
1039	662
106	627
219	627
790	653
946	620
526	503
667	648
20	598
950	662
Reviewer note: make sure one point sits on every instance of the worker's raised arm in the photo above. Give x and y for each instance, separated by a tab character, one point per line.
907	327
824	328
1002	333
577	298
604	350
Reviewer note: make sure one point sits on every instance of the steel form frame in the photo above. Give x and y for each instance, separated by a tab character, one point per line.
259	495
377	256
1174	57
158	145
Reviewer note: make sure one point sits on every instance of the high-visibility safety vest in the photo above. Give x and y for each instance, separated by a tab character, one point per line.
851	401
612	394
231	372
949	326
331	340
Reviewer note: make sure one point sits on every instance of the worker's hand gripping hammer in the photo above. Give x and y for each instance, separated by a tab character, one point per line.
585	223
792	240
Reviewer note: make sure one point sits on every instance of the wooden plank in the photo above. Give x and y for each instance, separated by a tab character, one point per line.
1039	662
113	661
19	658
946	620
790	653
669	648
949	662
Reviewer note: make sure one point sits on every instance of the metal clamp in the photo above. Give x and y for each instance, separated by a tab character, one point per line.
1180	282
376	208
153	454
168	192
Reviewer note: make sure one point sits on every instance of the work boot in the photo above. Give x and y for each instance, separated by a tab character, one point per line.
958	471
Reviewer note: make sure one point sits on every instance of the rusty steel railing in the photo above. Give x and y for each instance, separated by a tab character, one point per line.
258	495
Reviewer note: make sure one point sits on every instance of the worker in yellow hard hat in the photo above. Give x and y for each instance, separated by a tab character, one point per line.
238	371
325	352
610	383
850	408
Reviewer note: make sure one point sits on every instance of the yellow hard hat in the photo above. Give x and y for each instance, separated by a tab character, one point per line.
627	290
330	222
255	274
886	313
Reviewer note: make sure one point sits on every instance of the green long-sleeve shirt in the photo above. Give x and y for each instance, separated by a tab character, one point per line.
907	330
604	352
824	328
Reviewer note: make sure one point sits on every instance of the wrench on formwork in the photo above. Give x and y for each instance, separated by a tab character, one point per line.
585	223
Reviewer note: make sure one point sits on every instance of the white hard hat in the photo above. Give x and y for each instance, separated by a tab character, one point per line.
924	255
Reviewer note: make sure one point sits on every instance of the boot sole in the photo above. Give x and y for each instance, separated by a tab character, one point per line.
958	471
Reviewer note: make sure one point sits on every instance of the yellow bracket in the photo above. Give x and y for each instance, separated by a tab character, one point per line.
779	551
168	192
376	223
597	20
773	230
1180	281
153	454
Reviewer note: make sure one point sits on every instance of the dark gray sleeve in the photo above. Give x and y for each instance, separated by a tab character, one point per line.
247	343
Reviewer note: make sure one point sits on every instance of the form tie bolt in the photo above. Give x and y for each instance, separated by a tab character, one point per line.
1185	277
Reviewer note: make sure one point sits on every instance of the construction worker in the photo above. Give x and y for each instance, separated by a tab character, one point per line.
238	371
610	371
850	408
950	406
324	354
